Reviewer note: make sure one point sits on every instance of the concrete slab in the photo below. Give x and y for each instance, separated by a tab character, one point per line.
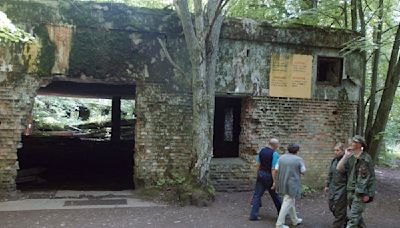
59	204
80	194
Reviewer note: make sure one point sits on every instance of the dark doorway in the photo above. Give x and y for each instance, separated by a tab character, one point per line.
227	127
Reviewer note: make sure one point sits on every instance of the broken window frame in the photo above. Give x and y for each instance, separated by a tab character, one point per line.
338	60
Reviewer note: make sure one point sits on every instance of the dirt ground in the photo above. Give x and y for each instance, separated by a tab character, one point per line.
229	210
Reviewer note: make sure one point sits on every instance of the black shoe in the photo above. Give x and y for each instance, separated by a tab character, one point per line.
255	219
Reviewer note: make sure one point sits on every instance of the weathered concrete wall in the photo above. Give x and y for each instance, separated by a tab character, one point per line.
106	42
113	43
244	65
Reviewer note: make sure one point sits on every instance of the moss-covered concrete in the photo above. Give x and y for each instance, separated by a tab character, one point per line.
100	54
115	43
46	58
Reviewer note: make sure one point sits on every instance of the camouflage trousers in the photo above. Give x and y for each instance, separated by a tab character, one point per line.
355	211
339	209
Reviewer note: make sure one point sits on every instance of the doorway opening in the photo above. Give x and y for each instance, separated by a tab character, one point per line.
227	127
80	136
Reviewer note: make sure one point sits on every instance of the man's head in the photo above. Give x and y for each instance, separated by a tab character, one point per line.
293	148
274	143
358	142
339	149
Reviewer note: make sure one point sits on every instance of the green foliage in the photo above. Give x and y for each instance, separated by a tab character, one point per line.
10	33
184	189
307	190
282	12
15	36
57	113
176	179
140	3
390	157
392	138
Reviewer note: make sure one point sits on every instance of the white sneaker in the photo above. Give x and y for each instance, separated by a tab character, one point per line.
298	222
282	226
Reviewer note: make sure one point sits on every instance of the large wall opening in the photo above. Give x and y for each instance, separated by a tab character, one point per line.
80	136
227	127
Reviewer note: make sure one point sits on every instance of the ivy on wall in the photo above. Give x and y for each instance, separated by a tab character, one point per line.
10	33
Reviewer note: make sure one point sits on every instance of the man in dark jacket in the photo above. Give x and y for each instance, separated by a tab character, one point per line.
361	183
336	186
268	158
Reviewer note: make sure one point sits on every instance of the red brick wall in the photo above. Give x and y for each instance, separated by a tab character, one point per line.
16	102
162	133
317	125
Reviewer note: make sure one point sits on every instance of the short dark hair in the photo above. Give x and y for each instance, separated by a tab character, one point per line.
293	148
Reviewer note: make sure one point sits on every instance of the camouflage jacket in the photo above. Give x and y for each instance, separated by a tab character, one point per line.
336	181
361	175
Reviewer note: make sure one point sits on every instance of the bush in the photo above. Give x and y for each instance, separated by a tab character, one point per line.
389	157
307	190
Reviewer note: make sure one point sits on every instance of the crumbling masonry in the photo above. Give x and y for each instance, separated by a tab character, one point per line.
116	44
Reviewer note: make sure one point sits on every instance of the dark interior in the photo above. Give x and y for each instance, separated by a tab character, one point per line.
80	163
74	163
330	70
227	127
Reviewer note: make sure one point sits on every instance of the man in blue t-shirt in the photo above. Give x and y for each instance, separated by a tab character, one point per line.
267	158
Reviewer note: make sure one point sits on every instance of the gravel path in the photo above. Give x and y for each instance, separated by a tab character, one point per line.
229	210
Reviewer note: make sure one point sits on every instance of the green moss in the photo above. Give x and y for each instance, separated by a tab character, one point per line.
185	190
29	12
101	53
47	52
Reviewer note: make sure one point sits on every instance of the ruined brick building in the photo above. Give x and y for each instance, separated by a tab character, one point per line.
112	51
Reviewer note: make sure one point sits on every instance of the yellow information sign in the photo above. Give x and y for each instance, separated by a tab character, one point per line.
290	75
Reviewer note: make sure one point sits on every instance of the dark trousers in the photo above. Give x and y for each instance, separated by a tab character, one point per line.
264	183
338	207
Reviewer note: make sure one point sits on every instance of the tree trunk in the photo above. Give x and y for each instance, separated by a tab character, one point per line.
354	15
202	40
346	22
361	108
375	68
315	3
214	22
361	17
391	83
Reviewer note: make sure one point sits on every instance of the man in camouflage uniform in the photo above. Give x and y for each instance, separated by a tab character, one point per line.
336	186
361	182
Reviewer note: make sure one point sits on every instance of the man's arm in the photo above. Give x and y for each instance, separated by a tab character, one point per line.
258	161
328	178
366	186
302	167
274	168
274	177
341	164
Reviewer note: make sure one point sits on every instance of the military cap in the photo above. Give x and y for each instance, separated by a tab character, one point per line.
359	139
